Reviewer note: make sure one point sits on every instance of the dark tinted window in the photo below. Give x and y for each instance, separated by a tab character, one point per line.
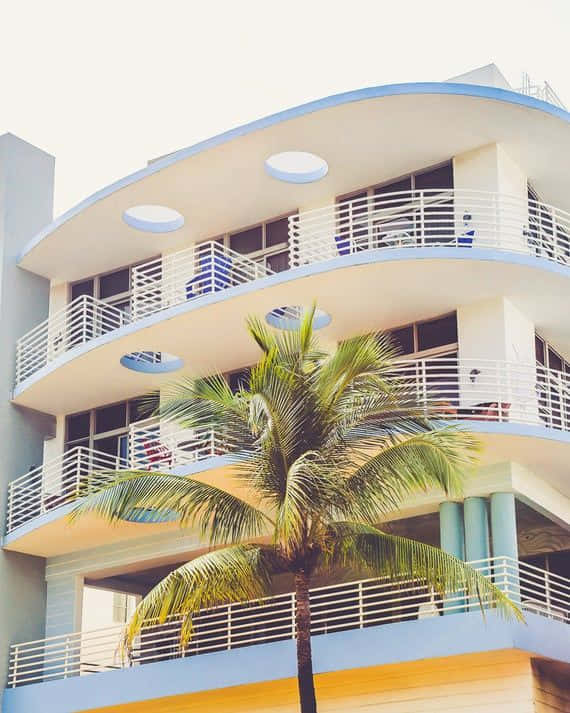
539	347
404	184
278	262
110	417
441	177
404	339
77	426
238	378
276	232
108	445
82	288
114	283
247	241
554	361
136	413
437	332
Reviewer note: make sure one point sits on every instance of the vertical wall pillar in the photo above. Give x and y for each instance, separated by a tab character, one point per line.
476	535
505	545
452	541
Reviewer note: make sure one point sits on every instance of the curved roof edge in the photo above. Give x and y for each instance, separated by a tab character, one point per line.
385	90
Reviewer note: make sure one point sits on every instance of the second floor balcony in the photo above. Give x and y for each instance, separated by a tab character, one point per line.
436	220
484	395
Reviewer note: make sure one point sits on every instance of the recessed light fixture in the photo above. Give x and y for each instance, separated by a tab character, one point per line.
153	218
151	362
290	317
296	167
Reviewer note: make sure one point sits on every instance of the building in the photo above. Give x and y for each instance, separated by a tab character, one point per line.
438	211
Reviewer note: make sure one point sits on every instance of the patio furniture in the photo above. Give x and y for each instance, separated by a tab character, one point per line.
342	245
155	452
465	240
214	275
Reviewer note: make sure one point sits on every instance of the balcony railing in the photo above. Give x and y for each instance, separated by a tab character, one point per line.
454	389
430	218
159	445
158	284
78	322
56	482
338	607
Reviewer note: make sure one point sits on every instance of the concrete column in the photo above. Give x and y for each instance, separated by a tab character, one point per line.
476	535
505	545
452	541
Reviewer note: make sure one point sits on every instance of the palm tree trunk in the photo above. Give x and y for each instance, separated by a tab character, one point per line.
304	655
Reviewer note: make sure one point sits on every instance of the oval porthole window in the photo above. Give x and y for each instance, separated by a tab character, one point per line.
153	218
290	317
151	362
296	167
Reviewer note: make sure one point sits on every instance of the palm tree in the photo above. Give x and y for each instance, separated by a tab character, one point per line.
327	446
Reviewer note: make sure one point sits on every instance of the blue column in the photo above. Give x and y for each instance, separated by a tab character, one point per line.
476	535
452	540
505	545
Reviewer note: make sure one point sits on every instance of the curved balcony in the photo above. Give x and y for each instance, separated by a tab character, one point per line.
488	396
434	218
334	608
157	285
437	219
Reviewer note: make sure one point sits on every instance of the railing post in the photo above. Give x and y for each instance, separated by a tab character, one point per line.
229	645
422	219
360	607
15	666
293	616
66	657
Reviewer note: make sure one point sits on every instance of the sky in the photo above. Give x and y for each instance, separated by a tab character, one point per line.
106	85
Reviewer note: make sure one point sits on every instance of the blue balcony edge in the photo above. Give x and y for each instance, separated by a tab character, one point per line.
452	635
333	264
420	88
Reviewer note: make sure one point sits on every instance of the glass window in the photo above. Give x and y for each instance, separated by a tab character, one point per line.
78	426
437	332
136	412
115	283
237	379
539	347
86	287
110	418
248	241
404	339
441	177
109	444
278	262
554	360
276	232
404	184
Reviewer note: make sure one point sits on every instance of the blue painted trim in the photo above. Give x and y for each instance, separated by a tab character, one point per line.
388	644
365	257
419	88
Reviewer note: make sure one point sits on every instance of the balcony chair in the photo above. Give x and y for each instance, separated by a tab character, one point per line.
343	245
155	452
488	411
214	275
465	240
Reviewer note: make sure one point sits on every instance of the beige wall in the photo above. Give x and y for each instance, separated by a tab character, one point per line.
497	682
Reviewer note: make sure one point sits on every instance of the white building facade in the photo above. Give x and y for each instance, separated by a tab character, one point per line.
437	211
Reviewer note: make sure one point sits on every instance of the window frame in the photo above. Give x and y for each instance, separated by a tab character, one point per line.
441	350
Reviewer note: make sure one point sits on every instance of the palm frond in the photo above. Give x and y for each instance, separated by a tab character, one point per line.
220	515
354	544
232	574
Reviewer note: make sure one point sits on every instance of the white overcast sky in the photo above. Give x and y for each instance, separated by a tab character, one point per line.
105	85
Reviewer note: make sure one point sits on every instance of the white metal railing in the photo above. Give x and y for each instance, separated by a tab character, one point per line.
186	275
543	91
56	482
156	444
78	322
430	218
489	390
337	607
156	285
452	388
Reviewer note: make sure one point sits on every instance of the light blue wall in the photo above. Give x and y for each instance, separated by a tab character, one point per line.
26	196
391	643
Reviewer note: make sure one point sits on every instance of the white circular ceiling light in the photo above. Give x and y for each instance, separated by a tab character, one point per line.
296	167
153	218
